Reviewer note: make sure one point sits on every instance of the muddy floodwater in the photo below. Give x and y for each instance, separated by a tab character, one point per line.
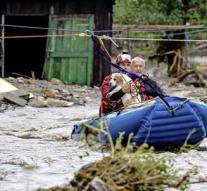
36	149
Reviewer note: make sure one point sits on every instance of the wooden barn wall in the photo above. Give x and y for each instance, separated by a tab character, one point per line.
102	9
103	21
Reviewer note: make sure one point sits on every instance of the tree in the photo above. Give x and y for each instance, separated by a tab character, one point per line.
160	11
177	12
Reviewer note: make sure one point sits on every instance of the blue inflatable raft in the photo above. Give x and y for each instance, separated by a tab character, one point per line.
155	124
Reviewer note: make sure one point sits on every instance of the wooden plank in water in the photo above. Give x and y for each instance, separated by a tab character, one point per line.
11	97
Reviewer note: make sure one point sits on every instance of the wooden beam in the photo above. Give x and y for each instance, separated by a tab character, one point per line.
13	98
156	27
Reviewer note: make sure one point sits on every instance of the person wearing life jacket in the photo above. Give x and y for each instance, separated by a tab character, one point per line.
111	104
146	91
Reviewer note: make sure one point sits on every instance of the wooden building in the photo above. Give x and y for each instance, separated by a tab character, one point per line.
50	50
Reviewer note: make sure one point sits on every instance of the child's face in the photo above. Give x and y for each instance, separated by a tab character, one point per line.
137	67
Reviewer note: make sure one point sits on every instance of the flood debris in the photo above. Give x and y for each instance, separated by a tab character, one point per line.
22	91
98	184
13	98
195	76
129	170
49	102
10	94
5	86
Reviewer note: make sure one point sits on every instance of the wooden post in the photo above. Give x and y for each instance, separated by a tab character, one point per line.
186	49
103	21
47	51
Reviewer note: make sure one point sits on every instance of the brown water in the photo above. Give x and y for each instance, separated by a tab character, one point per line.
36	149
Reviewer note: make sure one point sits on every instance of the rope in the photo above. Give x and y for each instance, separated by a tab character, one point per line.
202	29
41	28
122	70
109	38
180	105
44	36
104	48
158	39
105	31
102	37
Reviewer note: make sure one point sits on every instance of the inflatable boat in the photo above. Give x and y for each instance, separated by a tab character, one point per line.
185	121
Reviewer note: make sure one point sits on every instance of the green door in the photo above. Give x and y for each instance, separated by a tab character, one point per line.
69	58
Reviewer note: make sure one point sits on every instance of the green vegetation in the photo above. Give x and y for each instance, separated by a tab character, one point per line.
127	169
160	11
142	170
163	12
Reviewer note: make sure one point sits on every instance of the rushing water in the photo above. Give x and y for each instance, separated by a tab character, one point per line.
36	149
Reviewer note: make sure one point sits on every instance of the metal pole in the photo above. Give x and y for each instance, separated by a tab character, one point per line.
2	44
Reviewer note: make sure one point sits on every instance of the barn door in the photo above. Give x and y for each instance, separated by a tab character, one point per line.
69	58
2	46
